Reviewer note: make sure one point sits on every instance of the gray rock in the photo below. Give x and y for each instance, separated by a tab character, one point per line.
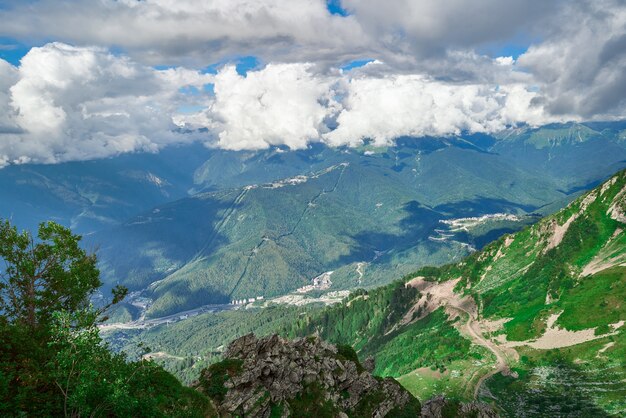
369	364
434	408
273	372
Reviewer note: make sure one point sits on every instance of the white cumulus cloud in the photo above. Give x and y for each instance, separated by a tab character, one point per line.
76	103
384	108
282	104
427	76
69	103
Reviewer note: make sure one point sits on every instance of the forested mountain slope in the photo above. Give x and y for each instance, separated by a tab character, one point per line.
366	214
92	195
359	219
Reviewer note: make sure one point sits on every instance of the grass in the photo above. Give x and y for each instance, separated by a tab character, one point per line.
573	381
595	301
425	383
432	341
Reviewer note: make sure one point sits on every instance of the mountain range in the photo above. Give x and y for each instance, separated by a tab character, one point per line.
229	226
534	321
268	223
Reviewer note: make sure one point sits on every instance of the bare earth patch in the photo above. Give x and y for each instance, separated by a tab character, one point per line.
427	371
558	232
615	210
488	325
606	347
435	295
555	337
160	355
600	262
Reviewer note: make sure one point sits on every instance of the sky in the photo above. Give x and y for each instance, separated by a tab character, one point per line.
90	79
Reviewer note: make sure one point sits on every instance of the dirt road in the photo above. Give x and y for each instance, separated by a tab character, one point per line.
471	329
442	294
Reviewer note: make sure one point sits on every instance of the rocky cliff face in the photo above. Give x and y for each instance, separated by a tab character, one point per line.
274	377
440	407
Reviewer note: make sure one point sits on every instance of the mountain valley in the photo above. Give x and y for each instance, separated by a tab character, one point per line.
312	208
362	214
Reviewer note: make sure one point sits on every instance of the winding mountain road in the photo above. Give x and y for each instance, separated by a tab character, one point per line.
442	294
472	329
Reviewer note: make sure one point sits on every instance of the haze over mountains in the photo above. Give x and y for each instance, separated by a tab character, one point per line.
361	214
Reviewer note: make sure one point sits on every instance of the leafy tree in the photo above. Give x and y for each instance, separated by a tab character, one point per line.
52	359
92	381
45	276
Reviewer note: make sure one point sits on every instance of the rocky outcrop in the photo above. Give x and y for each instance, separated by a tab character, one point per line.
272	376
440	407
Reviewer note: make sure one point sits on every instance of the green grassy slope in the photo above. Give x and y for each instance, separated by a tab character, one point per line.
514	276
552	267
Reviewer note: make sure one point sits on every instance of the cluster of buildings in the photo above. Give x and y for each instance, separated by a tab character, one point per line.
321	282
245	301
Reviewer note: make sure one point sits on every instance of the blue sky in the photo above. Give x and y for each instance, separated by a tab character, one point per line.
12	50
334	7
356	64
